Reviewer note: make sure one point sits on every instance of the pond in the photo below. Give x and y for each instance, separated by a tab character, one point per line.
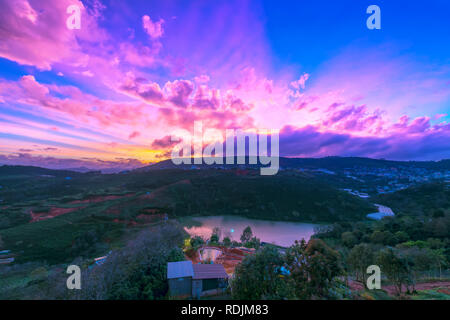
277	232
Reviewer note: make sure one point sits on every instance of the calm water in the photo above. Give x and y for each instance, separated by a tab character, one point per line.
280	233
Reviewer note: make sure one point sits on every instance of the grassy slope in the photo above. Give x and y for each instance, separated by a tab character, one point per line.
419	200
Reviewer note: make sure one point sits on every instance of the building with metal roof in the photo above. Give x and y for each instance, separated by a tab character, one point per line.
188	280
179	269
209	271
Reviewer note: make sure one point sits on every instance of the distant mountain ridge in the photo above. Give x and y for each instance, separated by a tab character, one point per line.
332	163
31	170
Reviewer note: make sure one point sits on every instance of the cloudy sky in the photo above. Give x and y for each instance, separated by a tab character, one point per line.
111	93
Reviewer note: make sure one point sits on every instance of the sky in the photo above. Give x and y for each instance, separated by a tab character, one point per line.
112	93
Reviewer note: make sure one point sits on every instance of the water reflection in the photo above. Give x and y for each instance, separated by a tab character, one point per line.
280	233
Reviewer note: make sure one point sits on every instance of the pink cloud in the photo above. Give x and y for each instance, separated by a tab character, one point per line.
205	98
134	134
202	79
163	143
300	83
35	33
178	92
380	79
236	104
140	88
352	118
140	55
74	103
217	72
310	142
153	29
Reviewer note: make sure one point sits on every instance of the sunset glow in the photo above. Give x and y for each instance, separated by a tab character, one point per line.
112	93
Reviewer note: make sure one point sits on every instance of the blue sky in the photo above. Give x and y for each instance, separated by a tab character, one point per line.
138	70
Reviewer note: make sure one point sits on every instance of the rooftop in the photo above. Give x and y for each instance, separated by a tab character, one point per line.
209	271
183	269
179	269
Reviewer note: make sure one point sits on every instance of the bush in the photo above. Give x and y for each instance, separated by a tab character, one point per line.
258	277
138	271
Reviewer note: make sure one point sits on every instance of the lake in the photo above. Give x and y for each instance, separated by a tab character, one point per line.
280	233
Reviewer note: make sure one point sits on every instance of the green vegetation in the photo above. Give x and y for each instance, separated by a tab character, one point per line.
306	271
62	238
431	199
411	247
89	214
259	277
431	295
49	219
136	271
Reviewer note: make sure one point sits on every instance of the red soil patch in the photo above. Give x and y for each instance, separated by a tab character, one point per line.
240	172
128	223
229	258
390	289
95	199
355	286
54	212
444	291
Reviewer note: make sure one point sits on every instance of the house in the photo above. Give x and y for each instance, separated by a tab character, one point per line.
208	279
179	276
195	280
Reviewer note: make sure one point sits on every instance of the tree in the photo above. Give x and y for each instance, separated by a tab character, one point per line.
439	258
259	277
381	237
247	234
253	243
215	236
435	243
359	258
401	236
394	267
196	242
136	271
226	241
85	244
419	260
348	239
313	267
438	213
